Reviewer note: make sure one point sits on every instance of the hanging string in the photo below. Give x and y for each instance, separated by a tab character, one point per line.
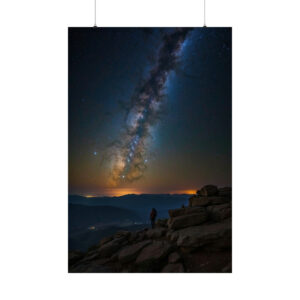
204	14
95	24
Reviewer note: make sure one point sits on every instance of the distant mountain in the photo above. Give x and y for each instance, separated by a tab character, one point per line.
83	216
141	204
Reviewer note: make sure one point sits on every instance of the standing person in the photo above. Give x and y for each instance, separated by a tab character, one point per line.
153	215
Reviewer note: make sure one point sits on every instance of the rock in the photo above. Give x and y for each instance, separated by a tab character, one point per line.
225	191
129	253
161	223
91	256
115	257
75	256
184	211
105	240
151	257
219	212
173	235
205	201
206	261
198	201
198	236
156	233
174	257
173	268
188	220
109	248
169	234
209	190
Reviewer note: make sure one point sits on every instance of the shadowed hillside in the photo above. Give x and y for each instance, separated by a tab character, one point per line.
196	238
84	216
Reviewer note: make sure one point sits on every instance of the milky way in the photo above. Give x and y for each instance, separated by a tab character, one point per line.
128	156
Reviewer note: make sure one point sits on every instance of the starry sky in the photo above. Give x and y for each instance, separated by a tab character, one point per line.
149	110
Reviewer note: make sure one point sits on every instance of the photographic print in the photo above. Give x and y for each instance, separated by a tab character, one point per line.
150	159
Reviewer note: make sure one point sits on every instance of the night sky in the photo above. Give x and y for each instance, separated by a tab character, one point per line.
149	110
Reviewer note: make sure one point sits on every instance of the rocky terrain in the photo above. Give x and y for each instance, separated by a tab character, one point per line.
196	238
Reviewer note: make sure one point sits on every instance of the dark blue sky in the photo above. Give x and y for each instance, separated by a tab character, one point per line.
185	143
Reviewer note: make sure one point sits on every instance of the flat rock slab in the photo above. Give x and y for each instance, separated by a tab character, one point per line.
173	268
151	256
173	213
129	253
198	236
188	220
219	212
109	248
205	201
156	232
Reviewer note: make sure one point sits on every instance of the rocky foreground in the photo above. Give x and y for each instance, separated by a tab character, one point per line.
196	238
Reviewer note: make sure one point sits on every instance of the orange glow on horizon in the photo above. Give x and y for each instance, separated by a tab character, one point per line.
189	192
117	192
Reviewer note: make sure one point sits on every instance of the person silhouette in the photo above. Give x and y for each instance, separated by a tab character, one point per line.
153	215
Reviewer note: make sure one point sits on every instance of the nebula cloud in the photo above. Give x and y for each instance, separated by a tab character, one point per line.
128	156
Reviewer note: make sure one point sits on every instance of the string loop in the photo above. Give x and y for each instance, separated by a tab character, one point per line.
95	8
204	14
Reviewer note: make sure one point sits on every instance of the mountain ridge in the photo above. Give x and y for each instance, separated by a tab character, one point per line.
195	238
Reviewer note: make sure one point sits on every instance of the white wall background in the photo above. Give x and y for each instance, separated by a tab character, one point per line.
33	151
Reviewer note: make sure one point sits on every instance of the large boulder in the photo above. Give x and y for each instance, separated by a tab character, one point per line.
169	234
173	268
198	236
109	248
172	235
208	190
205	201
188	220
151	257
184	211
219	212
129	253
156	232
198	201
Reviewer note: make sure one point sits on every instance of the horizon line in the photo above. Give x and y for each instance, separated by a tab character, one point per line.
116	194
